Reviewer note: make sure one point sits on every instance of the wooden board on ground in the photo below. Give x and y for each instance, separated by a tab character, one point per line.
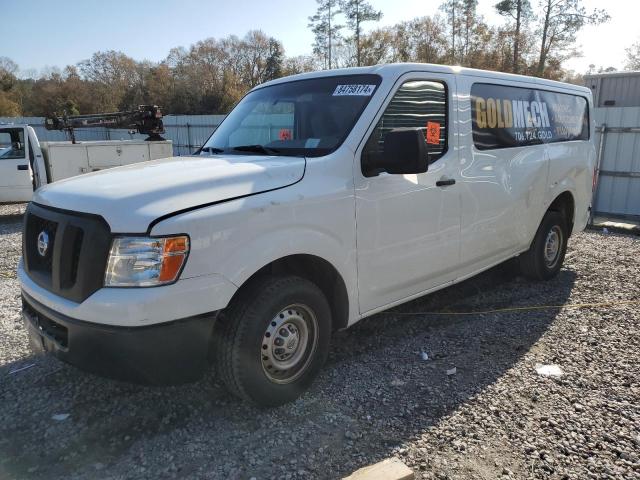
389	469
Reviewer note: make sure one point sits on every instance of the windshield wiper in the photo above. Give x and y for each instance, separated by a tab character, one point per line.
256	149
211	150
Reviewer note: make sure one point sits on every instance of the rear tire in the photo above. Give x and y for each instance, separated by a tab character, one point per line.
544	259
272	340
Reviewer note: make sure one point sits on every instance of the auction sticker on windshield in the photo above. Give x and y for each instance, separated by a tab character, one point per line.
356	90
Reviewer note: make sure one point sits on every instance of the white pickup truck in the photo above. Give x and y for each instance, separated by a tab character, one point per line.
321	199
27	164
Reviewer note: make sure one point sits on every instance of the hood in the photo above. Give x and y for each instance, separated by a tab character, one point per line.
129	198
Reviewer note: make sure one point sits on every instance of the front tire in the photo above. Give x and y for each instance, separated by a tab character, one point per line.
544	258
272	339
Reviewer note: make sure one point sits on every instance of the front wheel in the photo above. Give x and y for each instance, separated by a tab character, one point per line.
273	339
544	258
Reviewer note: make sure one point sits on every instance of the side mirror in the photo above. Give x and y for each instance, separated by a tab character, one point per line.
404	151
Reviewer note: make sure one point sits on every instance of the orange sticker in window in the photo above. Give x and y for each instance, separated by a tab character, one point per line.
433	133
285	134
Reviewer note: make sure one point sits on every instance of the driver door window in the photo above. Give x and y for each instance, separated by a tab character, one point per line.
417	104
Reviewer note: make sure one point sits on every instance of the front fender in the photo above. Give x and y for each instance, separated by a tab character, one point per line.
237	238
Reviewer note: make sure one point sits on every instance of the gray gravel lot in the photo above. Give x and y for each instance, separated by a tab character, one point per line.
376	398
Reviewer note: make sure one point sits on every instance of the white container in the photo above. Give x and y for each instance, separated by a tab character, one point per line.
65	159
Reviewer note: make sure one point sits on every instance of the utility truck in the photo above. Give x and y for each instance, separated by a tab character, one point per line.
27	164
320	200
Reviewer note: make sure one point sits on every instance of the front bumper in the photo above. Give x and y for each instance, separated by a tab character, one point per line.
138	307
169	353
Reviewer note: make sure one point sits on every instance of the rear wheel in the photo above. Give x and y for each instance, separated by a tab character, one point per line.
544	259
273	339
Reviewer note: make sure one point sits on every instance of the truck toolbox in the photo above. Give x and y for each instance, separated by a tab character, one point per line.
27	164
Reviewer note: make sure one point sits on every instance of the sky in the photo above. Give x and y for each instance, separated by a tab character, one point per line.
42	33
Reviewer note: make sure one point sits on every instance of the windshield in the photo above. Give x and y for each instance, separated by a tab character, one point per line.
304	117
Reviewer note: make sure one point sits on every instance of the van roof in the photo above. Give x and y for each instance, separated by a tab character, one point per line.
396	69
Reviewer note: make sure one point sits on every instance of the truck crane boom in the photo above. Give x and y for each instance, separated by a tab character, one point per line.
146	119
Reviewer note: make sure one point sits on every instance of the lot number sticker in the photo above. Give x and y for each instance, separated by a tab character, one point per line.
354	90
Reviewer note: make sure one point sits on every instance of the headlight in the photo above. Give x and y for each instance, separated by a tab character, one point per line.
145	261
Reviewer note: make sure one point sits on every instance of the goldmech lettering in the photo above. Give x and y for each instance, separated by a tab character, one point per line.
505	116
504	113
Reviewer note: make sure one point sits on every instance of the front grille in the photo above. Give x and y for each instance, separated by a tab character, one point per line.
75	257
78	237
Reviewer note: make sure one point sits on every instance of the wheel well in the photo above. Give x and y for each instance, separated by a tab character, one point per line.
565	205
318	271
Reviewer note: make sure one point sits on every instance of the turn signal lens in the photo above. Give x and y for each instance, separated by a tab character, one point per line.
175	253
146	261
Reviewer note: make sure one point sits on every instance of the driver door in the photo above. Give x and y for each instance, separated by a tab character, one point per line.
15	174
408	226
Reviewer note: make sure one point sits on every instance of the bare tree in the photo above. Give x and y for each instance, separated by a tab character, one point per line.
561	20
8	71
428	36
299	64
8	81
633	57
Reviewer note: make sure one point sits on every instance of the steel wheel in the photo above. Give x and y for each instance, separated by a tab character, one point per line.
272	339
289	343
553	246
544	258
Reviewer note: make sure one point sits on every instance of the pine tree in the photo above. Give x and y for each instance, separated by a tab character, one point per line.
357	12
453	10
325	30
275	60
468	20
518	10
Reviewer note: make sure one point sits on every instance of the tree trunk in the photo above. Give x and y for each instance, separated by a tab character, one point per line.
543	46
453	33
516	41
358	34
329	23
466	40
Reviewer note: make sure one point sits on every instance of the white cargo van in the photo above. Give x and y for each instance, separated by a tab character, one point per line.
27	164
321	199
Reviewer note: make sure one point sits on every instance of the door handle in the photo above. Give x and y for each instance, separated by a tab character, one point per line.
445	183
23	167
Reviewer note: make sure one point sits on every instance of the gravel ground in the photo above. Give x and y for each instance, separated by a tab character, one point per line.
377	397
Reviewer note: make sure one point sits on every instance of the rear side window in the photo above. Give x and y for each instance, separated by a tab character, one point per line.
417	104
504	117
